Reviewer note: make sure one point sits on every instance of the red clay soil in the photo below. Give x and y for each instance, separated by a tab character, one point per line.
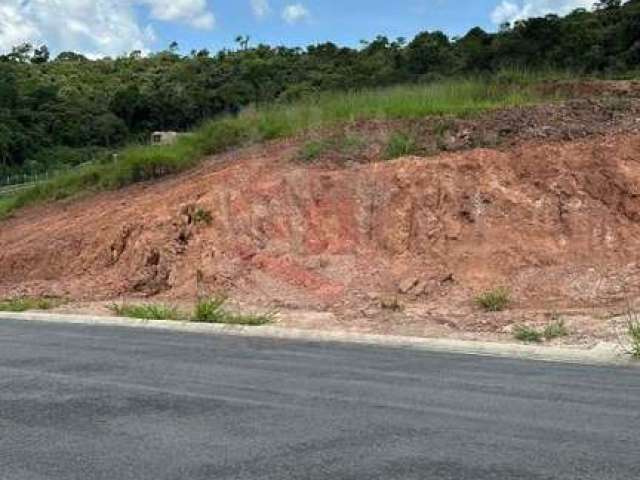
558	224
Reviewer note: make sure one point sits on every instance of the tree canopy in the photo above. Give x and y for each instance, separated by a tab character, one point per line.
65	110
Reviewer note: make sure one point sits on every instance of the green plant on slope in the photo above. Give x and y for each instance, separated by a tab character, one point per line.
311	150
202	216
633	334
23	304
495	300
401	144
211	310
555	329
147	311
527	334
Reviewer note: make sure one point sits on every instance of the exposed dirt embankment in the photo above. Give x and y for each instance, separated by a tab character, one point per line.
559	224
556	223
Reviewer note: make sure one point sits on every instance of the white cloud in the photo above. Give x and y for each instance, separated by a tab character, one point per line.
94	27
295	13
512	10
14	27
191	12
261	8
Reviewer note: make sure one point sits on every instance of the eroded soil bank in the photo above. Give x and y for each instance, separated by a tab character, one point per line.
556	221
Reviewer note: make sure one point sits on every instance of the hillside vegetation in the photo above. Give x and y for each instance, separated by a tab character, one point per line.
138	163
57	113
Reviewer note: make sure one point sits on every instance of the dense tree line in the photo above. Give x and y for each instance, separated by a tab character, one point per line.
66	110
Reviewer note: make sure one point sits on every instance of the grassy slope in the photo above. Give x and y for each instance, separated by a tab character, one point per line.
139	163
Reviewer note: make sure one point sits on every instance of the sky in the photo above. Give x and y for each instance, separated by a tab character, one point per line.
115	27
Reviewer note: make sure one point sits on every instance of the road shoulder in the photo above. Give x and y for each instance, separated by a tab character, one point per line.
601	354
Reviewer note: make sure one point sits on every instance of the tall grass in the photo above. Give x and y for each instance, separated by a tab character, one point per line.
139	163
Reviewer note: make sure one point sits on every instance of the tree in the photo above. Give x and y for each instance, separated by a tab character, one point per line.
40	55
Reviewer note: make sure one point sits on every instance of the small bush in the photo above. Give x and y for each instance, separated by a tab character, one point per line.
633	332
391	303
556	329
211	310
310	151
202	216
147	311
400	144
23	304
495	300
527	334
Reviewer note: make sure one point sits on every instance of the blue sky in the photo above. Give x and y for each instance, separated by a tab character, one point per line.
115	27
344	22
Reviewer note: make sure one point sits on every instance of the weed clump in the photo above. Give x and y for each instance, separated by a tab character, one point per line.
211	310
551	331
555	329
202	216
527	334
391	303
147	311
401	144
495	300
311	150
633	334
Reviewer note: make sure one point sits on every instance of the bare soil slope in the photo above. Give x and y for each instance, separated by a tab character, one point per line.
558	223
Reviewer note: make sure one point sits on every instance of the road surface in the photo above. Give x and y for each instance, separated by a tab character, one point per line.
88	403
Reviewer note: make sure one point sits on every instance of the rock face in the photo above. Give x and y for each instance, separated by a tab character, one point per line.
559	224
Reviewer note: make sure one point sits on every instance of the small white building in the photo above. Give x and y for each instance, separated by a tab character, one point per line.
164	138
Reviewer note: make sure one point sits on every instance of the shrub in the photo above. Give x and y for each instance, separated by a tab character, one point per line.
147	311
202	216
495	300
211	310
391	303
311	150
556	329
527	334
399	145
633	332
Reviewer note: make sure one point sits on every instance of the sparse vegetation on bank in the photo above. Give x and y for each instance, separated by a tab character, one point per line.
206	310
212	310
495	300
527	334
147	311
140	163
23	304
555	329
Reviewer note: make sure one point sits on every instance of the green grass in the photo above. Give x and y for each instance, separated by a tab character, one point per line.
313	149
140	163
202	216
555	329
633	332
527	334
551	331
23	304
211	310
147	311
401	144
495	300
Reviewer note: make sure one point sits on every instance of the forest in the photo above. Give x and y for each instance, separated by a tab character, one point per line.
64	111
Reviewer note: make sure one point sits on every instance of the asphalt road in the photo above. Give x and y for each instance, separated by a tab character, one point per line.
79	402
